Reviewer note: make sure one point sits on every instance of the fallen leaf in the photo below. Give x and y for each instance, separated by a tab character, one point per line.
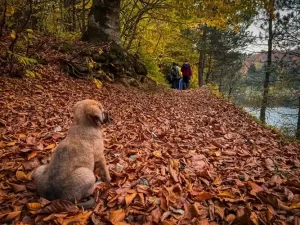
276	180
130	196
157	154
220	211
8	217
173	171
34	206
217	181
117	216
49	147
177	211
217	144
253	218
295	205
226	194
2	144
25	150
57	129
230	218
270	214
199	162
21	176
168	222
17	187
22	136
12	143
254	187
156	214
58	206
203	196
96	220
80	218
218	153
165	215
55	216
31	155
203	222
270	164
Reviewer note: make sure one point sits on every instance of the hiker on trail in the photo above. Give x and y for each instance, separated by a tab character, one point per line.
175	75
186	74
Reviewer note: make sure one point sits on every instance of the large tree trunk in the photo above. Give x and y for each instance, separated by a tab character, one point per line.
298	123
104	22
268	72
202	59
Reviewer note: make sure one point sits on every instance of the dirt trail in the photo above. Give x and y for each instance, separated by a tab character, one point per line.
176	157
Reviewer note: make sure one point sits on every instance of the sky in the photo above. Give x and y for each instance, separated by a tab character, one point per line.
258	45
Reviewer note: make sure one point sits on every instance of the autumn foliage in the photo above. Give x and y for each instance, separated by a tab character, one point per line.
175	157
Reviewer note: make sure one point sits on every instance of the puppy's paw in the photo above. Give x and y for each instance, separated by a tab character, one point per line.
87	204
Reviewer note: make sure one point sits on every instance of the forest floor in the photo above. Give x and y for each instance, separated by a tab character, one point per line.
175	157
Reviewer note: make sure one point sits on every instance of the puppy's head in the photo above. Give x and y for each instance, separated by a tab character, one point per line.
90	112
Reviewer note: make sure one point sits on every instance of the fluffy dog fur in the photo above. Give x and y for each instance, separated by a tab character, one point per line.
69	175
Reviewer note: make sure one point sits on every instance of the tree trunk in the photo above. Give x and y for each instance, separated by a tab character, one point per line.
230	90
104	22
67	15
61	10
3	18
202	59
73	15
83	16
209	69
268	72
298	123
220	85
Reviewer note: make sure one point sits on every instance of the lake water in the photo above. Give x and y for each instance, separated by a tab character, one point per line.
283	118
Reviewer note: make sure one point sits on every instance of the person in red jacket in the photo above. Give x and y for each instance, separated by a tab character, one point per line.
186	74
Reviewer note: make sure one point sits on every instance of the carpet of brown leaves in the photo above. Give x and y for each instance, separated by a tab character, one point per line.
175	157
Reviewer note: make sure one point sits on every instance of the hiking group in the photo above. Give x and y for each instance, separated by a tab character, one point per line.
174	76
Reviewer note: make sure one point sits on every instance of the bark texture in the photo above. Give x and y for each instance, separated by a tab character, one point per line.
104	22
298	123
268	73
202	59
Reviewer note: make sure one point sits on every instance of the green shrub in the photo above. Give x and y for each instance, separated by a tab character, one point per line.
214	88
153	70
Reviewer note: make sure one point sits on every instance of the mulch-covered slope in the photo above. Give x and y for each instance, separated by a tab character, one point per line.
175	157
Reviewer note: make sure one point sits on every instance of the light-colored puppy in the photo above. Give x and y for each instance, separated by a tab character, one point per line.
69	175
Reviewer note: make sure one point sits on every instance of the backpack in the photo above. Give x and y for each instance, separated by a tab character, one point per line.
185	69
169	78
174	72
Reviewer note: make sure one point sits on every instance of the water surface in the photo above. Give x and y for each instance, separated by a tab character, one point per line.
283	118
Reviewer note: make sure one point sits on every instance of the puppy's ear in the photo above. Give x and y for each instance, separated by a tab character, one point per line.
107	118
97	116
